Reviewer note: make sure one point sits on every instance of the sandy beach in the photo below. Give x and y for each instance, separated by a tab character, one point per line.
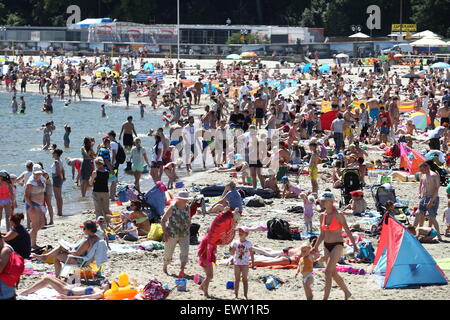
144	265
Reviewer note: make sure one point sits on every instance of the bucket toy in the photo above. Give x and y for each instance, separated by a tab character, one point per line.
181	284
179	184
230	285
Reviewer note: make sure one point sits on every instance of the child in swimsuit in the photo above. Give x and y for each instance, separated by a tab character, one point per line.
305	266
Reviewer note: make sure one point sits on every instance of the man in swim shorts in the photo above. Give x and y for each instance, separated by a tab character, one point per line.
128	131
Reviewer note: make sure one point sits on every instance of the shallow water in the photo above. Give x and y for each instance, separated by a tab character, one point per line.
21	139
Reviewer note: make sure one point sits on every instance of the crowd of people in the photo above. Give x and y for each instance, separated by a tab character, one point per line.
249	126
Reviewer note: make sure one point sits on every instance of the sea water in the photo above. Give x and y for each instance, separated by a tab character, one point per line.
21	139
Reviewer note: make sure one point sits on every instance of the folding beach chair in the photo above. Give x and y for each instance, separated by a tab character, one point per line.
91	264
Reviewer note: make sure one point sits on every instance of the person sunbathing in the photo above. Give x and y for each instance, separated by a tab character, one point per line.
61	254
67	291
265	257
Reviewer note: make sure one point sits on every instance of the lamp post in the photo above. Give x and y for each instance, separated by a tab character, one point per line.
178	29
356	28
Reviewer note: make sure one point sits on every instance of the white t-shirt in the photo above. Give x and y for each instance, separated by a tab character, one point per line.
447	216
242	254
155	153
114	146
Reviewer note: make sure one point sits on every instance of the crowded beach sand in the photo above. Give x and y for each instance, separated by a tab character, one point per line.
143	266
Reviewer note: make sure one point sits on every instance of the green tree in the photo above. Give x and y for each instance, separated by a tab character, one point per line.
432	15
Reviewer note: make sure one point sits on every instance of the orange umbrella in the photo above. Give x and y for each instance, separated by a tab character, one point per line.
249	54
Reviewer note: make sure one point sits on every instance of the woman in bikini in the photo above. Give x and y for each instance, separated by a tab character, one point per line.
140	218
67	291
332	223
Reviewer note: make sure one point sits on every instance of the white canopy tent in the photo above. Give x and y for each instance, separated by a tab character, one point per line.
429	42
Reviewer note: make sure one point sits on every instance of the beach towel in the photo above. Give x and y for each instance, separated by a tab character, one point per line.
43	294
444	264
128	248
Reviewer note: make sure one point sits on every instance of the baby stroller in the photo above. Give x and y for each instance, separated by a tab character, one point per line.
443	173
382	194
351	181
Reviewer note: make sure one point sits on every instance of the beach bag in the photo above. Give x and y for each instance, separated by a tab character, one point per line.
366	251
278	229
13	270
120	156
193	232
156	232
154	290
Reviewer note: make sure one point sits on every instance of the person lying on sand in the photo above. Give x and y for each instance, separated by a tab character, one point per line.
67	291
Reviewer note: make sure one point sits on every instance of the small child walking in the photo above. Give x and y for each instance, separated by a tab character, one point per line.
446	218
242	250
305	266
308	210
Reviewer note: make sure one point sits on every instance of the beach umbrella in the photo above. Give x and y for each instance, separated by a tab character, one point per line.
411	76
103	69
440	65
233	56
41	64
425	34
398	55
306	67
325	68
359	35
342	55
288	91
420	119
149	67
248	54
429	42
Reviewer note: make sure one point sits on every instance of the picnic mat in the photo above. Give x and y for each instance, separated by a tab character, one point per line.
444	264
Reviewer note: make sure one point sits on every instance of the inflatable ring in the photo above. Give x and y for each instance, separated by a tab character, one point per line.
185	112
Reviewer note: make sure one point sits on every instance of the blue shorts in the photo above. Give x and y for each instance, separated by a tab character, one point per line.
384	130
373	113
6	292
432	211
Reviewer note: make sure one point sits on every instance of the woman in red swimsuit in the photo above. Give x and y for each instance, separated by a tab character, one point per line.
332	222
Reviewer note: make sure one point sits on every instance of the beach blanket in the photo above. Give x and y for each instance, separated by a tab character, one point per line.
444	264
136	247
217	191
43	294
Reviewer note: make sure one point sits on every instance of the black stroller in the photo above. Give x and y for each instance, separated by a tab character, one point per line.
351	181
382	194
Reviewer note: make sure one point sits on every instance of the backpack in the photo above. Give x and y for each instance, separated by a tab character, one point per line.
278	229
13	270
193	231
366	251
120	156
154	290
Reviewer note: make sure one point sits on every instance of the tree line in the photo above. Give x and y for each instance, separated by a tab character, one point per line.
336	16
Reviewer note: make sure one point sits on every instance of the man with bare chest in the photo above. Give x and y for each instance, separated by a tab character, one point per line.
429	198
128	131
